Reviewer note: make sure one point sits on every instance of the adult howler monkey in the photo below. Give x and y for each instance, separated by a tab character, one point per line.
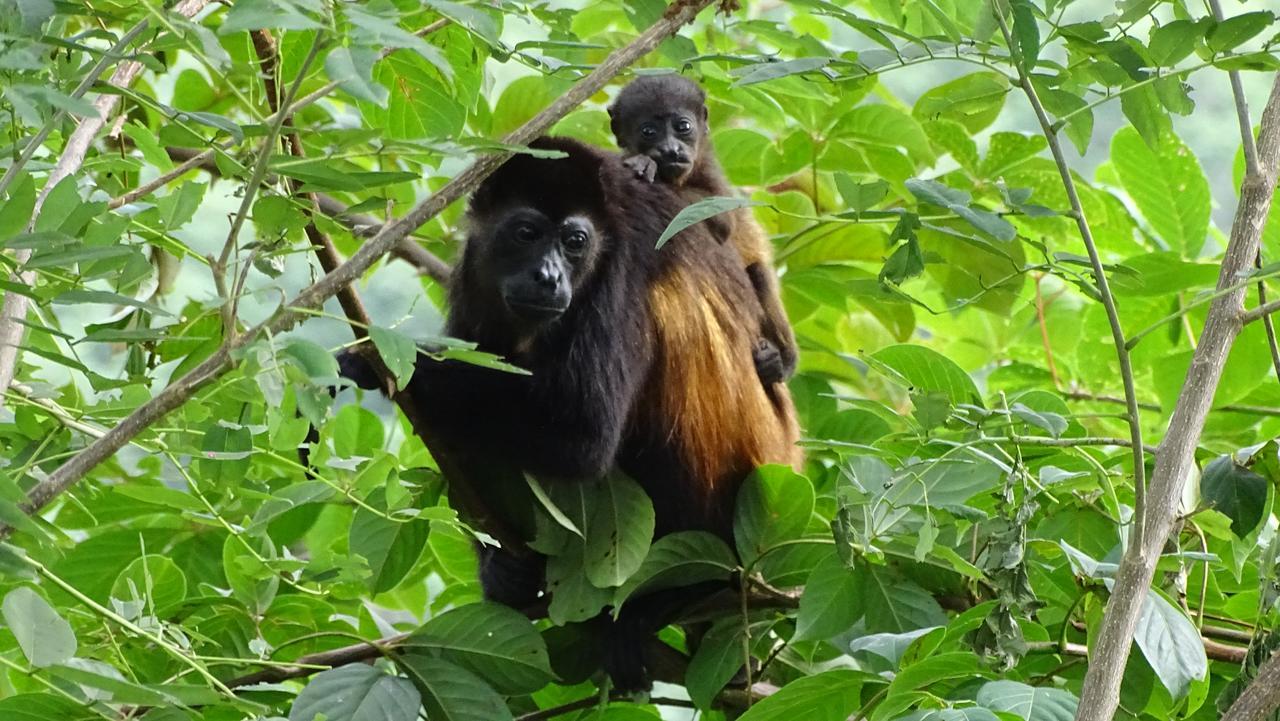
660	122
638	357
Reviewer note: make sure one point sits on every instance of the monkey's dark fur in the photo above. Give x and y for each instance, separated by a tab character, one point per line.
642	367
660	122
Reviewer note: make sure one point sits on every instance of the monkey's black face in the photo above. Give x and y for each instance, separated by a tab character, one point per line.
539	261
672	138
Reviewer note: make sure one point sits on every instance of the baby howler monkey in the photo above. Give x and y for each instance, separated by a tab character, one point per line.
660	122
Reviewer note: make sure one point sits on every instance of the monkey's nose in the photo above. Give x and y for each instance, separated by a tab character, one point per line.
547	275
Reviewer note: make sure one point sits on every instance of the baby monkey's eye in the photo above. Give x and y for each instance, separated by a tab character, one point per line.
683	126
575	242
648	131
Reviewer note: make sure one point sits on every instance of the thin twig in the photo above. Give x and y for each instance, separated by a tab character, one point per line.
294	311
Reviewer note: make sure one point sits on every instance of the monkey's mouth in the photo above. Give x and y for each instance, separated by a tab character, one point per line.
674	169
536	310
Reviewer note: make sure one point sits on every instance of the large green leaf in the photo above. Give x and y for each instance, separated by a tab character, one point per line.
1235	491
1168	187
828	696
495	642
831	602
356	693
927	371
1171	644
45	637
452	693
1033	703
618	531
774	505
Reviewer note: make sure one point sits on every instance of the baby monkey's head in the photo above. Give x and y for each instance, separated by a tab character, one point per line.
663	117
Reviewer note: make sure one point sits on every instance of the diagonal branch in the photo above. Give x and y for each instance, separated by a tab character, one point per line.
293	312
1175	463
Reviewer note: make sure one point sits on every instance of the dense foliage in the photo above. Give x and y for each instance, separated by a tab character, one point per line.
946	555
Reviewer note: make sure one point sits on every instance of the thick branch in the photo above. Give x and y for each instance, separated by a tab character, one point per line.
213	367
1100	695
1261	697
14	309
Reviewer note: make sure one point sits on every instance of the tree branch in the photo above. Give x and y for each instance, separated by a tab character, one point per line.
1261	697
14	308
1100	695
289	315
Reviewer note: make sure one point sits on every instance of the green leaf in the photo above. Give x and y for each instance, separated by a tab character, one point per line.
352	69
1171	644
16	211
497	643
1026	33
860	196
154	579
924	370
452	693
1236	30
42	707
700	211
774	505
827	696
357	432
934	669
421	106
1031	703
618	531
1143	108
831	602
224	455
970	713
260	14
717	660
763	72
1173	41
1168	187
356	693
1235	491
894	604
974	101
46	639
680	559
398	351
390	547
884	127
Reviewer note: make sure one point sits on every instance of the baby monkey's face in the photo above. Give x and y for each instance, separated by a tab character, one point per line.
671	137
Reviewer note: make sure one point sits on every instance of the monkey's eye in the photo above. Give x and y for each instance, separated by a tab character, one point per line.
575	242
683	126
648	131
526	233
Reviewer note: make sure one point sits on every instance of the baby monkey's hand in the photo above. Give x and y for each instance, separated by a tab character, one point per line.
643	166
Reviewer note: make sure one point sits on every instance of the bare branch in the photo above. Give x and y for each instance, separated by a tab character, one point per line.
177	393
14	309
1100	695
